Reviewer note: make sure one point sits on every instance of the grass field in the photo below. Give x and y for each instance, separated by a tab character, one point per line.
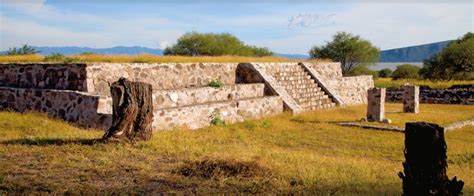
142	58
281	154
388	82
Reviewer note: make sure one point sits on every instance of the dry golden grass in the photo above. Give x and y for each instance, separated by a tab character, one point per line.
281	154
388	82
147	58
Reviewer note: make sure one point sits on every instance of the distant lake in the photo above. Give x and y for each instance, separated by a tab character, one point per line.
392	65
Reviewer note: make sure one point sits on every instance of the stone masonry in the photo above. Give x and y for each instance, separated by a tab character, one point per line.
411	99
80	92
375	104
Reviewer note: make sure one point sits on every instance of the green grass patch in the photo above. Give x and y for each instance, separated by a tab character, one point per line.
388	82
306	153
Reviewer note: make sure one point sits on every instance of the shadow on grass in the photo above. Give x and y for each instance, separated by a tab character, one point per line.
48	142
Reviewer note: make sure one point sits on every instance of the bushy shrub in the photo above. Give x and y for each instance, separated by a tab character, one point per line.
385	73
215	83
350	50
211	44
58	57
406	71
456	61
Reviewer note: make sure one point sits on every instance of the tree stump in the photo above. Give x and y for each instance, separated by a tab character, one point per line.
132	111
425	162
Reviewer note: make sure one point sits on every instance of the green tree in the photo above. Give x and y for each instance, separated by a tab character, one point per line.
210	44
406	71
385	73
350	50
24	50
456	61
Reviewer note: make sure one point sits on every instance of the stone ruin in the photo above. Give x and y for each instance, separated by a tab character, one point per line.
80	92
376	104
411	99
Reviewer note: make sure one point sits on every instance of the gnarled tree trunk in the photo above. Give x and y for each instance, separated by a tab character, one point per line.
425	162
132	111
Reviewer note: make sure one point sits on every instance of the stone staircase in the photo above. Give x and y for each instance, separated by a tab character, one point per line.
302	88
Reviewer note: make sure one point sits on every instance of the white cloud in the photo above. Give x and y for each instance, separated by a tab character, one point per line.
305	20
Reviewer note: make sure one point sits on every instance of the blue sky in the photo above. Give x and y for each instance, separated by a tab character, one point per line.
283	26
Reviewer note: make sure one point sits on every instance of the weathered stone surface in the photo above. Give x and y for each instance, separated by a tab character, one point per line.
85	109
425	162
200	95
454	95
198	116
44	76
162	76
375	104
350	90
411	99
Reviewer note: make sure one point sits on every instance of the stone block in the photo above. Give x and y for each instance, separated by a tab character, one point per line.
411	99
375	104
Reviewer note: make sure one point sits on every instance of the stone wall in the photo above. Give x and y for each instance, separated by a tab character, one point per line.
44	76
198	116
162	76
436	96
200	95
86	110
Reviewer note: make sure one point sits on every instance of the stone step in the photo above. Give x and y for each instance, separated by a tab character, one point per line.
292	82
299	86
290	73
304	90
292	78
319	107
311	99
306	95
326	103
290	69
200	115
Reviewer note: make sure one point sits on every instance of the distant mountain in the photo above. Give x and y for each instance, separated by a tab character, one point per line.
114	50
412	53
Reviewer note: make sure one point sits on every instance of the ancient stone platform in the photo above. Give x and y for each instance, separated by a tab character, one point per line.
80	92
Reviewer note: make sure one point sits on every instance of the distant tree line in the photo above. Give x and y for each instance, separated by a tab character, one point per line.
24	50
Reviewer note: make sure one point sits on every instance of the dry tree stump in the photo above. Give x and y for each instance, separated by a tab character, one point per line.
132	111
425	162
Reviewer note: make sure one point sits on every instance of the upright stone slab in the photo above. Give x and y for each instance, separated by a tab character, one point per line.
411	99
375	104
425	162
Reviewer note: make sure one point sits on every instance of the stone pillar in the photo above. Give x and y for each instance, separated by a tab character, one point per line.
375	104
411	99
424	169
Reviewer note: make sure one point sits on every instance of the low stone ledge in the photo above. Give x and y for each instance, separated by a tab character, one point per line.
198	95
376	127
458	125
198	116
87	110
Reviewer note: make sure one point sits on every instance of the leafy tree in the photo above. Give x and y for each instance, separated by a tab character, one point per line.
210	44
385	73
24	50
406	71
456	61
350	50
